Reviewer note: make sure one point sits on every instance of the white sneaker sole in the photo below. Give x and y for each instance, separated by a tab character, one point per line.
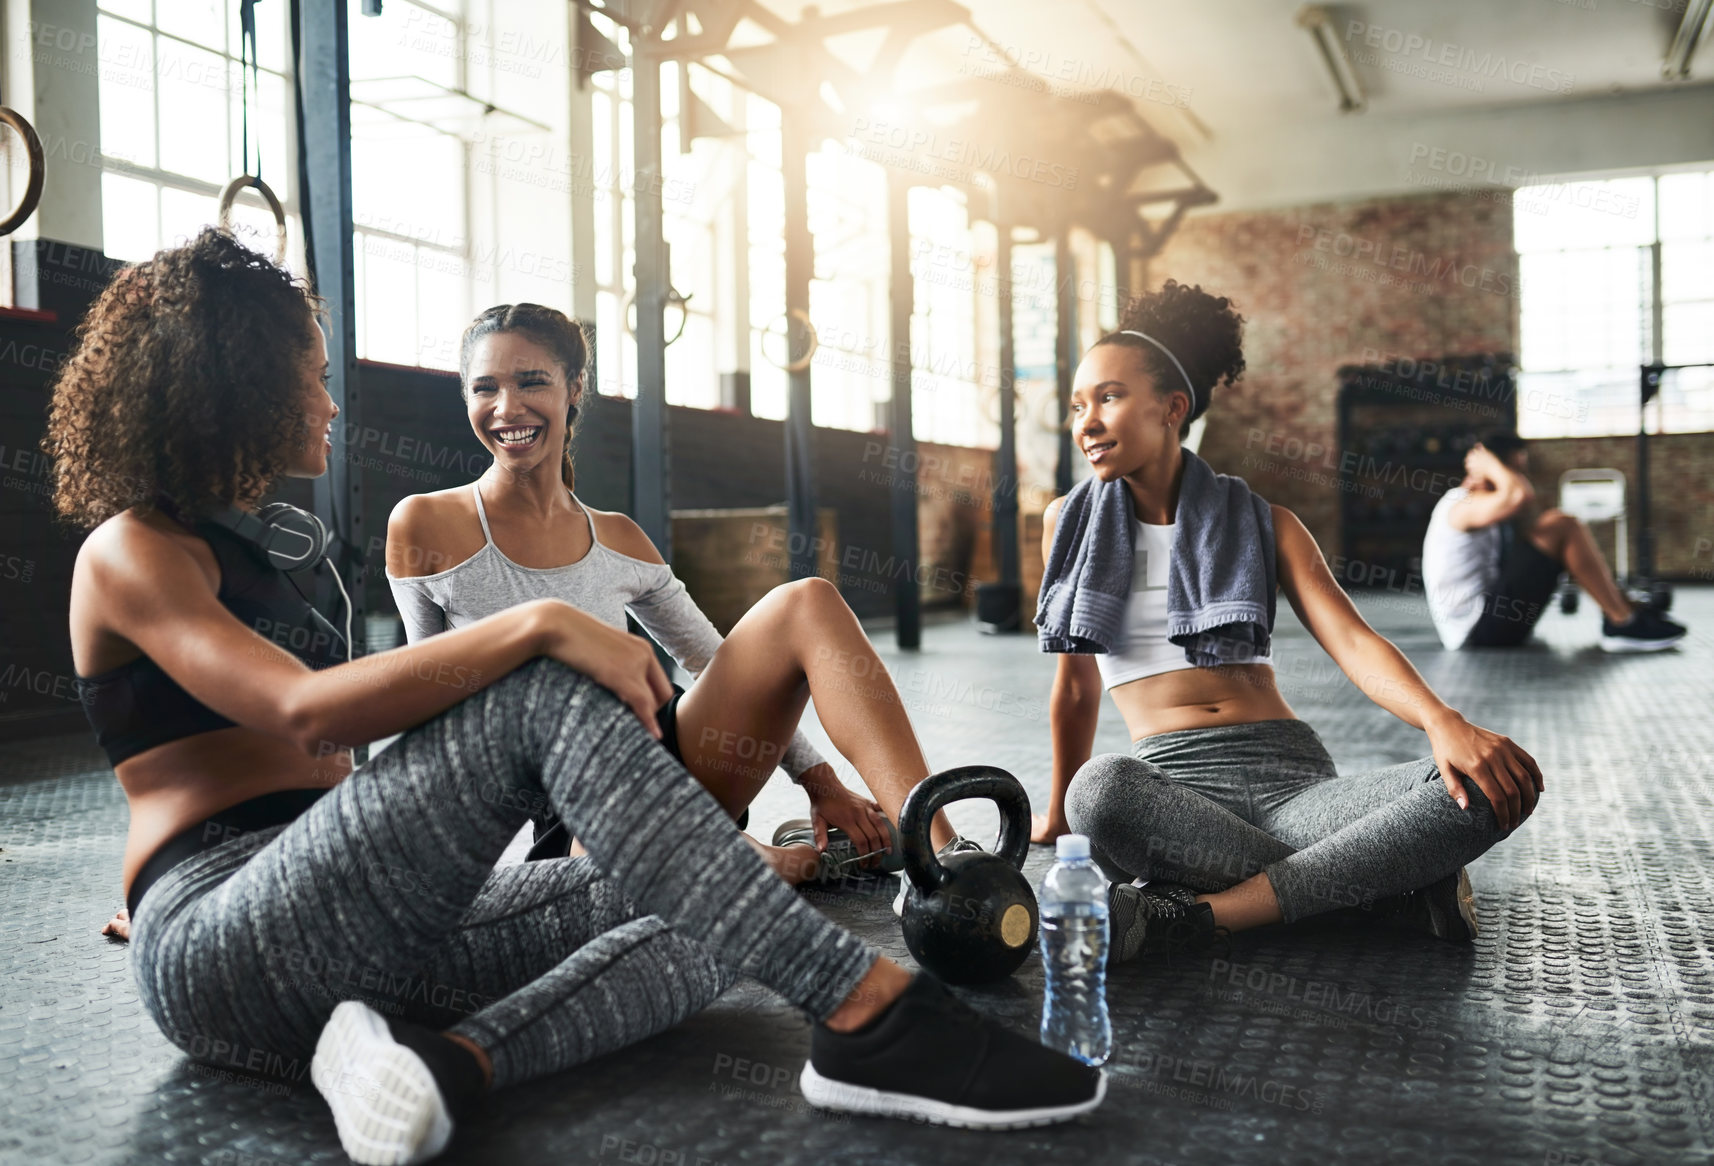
825	1093
1625	644
386	1106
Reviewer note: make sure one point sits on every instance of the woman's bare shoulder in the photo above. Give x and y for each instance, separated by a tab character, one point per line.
618	532
428	533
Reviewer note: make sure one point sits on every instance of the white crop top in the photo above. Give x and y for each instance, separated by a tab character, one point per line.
1143	649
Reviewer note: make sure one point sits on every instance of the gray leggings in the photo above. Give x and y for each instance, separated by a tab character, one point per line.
385	891
1209	808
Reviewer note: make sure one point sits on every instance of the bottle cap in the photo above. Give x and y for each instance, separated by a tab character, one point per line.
1072	846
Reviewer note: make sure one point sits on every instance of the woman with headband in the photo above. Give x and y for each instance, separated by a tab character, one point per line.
1160	587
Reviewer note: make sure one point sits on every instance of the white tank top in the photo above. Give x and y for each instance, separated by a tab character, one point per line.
604	583
1143	649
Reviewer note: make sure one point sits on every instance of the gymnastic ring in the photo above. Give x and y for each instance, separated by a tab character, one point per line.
38	169
801	362
673	297
231	193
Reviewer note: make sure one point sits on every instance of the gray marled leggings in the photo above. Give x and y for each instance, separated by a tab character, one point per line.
1209	808
385	891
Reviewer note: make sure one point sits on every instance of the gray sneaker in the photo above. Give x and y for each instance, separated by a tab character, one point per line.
841	859
958	845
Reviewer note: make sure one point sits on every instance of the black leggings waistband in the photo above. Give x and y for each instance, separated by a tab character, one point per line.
271	809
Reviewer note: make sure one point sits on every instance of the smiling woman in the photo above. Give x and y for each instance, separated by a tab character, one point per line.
520	534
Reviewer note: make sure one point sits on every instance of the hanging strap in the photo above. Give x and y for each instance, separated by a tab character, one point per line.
247	58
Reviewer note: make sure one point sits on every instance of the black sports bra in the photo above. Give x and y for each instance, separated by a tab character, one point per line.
137	706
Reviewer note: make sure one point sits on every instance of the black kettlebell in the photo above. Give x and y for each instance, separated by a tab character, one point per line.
971	918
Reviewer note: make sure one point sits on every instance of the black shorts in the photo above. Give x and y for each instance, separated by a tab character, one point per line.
1528	579
553	840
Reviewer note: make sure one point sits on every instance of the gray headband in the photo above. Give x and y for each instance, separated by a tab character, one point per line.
1169	356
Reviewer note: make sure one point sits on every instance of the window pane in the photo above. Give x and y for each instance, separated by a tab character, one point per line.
1686	271
404	41
1688	332
387	319
184	214
409	179
1687	399
442	312
130	218
1584	309
194	93
1586	403
1584	214
608	332
202	21
1686	206
135	9
692	378
273	37
127	92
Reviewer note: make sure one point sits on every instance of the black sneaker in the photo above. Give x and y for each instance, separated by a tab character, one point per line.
1646	631
930	1057
1159	919
1445	909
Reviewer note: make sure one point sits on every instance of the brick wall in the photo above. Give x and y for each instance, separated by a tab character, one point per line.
1340	283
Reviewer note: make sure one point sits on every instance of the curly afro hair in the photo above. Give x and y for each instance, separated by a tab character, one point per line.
185	381
1205	332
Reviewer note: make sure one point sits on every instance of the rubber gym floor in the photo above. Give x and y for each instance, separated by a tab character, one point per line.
1578	1029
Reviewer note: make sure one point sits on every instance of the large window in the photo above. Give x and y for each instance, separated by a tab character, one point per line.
1615	274
461	179
172	122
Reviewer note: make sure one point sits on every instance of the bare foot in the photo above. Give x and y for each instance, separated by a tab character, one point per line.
1046	829
795	864
119	926
880	986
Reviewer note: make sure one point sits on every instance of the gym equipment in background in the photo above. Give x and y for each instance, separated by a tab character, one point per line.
38	169
970	918
247	60
1404	428
230	193
1594	495
1643	587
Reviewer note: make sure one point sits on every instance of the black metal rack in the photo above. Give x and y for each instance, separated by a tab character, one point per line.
1404	428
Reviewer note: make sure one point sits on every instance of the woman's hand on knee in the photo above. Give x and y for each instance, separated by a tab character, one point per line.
1507	775
622	663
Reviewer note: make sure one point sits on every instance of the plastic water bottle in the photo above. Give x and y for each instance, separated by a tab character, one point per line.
1073	905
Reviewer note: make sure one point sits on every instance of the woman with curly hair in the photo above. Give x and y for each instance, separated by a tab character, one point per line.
285	908
519	533
1160	586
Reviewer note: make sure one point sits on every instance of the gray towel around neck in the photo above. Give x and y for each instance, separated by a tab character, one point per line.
1220	587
